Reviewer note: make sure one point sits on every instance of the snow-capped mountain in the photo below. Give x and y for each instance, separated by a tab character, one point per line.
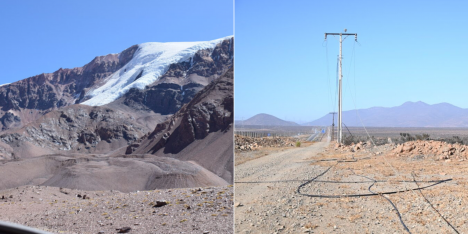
92	123
150	77
150	61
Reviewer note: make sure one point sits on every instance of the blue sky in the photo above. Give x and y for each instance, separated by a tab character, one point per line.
409	51
43	36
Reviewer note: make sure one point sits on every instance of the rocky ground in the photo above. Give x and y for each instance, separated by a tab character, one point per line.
244	143
429	149
190	210
250	148
267	198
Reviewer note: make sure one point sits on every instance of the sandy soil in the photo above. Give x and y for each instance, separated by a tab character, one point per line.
191	210
242	157
266	198
124	173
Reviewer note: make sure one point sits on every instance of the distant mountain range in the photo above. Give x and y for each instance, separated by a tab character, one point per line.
409	114
267	120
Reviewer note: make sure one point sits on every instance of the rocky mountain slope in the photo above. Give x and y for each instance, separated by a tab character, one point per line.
73	128
200	131
78	147
26	100
409	114
265	119
77	129
39	116
154	77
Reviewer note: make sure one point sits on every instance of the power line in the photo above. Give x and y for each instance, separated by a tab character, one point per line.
340	76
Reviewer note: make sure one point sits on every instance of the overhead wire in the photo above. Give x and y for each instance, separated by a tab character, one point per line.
395	171
354	97
330	95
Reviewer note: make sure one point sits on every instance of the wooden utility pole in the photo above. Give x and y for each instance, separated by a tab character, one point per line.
340	76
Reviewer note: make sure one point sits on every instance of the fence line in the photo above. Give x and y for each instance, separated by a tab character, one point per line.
278	133
258	134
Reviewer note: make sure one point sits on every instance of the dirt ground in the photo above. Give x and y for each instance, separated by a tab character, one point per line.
267	198
189	210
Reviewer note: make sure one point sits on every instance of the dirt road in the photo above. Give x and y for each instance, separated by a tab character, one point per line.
266	198
268	206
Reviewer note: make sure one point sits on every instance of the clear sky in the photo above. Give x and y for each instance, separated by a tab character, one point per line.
42	36
409	51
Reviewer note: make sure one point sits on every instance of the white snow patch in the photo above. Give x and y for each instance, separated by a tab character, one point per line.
5	84
153	58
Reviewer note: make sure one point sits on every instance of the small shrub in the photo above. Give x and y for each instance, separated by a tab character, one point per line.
424	136
298	144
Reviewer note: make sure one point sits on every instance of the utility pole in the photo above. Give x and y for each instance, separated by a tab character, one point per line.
340	76
333	126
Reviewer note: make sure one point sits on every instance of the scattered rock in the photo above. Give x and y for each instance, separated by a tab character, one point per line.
124	229
437	149
160	203
238	204
244	143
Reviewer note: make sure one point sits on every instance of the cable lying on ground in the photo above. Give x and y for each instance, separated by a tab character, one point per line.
435	182
372	193
416	182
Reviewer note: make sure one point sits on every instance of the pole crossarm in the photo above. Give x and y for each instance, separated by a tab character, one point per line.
341	34
346	34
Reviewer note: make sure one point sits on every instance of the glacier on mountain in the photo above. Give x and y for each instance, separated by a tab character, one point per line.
150	61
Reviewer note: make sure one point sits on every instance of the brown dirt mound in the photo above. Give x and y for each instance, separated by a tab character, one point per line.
439	149
123	173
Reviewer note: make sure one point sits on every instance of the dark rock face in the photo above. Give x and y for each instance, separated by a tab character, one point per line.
78	129
205	63
165	98
211	110
64	87
216	63
203	116
200	131
10	120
